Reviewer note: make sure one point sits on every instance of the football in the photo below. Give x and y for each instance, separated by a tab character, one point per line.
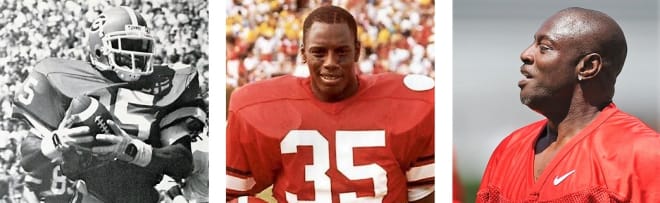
93	114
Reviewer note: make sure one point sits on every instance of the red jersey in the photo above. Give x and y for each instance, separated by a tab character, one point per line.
614	159
140	107
376	146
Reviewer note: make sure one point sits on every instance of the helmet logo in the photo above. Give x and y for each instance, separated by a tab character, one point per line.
98	23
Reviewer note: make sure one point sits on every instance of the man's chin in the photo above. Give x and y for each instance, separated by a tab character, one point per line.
333	93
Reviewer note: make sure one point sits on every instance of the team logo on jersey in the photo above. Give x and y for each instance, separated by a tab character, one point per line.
418	82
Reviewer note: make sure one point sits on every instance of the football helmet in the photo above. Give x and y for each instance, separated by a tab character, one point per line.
120	41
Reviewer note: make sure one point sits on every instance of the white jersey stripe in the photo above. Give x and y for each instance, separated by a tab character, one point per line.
131	14
418	193
421	172
240	184
182	112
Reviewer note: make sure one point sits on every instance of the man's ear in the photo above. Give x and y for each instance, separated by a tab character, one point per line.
589	66
302	53
357	51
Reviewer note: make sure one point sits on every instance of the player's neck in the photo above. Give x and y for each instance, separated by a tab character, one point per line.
575	119
350	90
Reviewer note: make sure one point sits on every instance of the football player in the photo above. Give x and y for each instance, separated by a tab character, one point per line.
153	107
587	149
47	181
334	136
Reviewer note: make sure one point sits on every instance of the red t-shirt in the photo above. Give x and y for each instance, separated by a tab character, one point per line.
375	145
616	158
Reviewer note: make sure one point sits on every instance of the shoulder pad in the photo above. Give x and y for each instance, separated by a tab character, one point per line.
63	74
278	88
180	79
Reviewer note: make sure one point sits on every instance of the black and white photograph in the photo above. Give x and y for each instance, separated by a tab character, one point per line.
104	101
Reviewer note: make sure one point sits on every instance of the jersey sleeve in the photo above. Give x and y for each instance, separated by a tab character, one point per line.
40	104
646	179
31	156
247	173
421	175
491	171
189	108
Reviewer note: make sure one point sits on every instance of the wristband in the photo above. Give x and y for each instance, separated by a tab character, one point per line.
50	145
141	152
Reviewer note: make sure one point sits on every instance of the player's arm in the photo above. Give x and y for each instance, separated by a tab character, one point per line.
31	156
421	174
646	157
174	158
43	108
178	127
29	196
248	173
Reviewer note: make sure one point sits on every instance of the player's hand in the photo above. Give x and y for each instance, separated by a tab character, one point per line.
65	138
123	146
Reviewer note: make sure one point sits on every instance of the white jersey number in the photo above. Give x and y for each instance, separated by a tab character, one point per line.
28	92
346	141
124	98
59	183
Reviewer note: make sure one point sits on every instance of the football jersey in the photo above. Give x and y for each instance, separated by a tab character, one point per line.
47	180
375	146
614	159
139	107
50	185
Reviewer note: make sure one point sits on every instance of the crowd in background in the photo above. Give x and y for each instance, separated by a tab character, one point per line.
264	36
32	30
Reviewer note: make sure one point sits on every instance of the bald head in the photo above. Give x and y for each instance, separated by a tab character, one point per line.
593	32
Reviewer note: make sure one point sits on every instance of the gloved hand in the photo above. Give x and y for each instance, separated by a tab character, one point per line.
65	138
123	146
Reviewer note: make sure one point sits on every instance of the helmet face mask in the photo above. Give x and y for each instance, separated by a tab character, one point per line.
120	41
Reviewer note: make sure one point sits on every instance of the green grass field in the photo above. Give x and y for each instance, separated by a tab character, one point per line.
470	190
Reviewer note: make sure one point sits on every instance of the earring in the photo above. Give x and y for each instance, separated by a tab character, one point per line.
580	78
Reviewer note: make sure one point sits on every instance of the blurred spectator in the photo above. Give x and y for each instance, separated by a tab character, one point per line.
32	30
263	37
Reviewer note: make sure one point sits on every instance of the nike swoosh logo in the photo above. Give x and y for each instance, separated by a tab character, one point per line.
559	179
